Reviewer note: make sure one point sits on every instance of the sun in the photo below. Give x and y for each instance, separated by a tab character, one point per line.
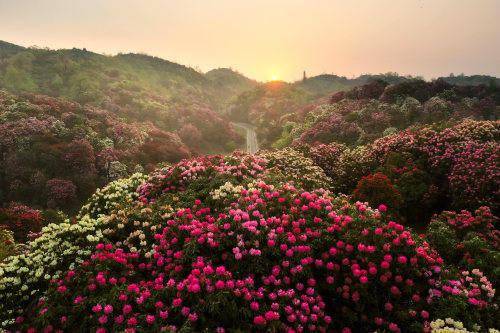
274	77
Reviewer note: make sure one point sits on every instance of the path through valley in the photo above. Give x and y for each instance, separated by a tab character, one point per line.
252	143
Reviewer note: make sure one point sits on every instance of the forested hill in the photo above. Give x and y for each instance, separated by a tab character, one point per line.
88	77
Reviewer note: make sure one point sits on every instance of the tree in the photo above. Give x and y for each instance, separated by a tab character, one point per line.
18	80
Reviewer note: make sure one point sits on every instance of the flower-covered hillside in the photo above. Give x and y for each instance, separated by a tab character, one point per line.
54	153
376	109
419	171
231	244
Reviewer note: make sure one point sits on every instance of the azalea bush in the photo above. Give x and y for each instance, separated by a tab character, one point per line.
291	165
275	257
465	155
468	240
63	245
450	325
54	153
7	243
238	242
195	177
433	168
377	189
342	165
21	220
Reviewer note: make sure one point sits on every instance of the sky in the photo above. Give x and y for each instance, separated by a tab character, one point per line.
266	39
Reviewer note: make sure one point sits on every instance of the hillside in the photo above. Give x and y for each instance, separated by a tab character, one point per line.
324	84
55	153
135	87
363	107
229	84
86	76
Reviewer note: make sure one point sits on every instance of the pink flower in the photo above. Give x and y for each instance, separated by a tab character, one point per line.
150	319
382	208
424	314
394	327
132	321
388	307
259	320
127	308
272	315
177	302
108	309
97	308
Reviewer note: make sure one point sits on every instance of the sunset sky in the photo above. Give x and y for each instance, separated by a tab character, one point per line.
264	38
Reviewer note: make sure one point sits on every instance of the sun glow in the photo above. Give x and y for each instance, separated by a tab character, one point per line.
274	77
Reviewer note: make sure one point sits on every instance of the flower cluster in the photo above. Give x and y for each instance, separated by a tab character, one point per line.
227	190
473	286
290	165
467	240
179	177
450	325
7	243
275	257
110	198
21	220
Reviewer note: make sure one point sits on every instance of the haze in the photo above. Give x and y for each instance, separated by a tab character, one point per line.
273	39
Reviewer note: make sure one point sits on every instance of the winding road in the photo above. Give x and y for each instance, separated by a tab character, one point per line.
252	143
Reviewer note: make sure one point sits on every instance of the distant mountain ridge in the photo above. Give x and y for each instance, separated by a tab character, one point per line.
47	71
85	76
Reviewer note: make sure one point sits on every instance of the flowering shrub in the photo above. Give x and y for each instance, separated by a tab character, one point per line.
225	243
420	195
251	266
377	189
462	159
60	193
290	165
466	290
269	257
21	220
44	138
112	197
467	240
475	174
449	325
333	128
7	243
327	157
196	173
63	245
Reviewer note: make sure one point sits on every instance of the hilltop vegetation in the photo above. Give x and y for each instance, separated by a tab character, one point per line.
88	77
